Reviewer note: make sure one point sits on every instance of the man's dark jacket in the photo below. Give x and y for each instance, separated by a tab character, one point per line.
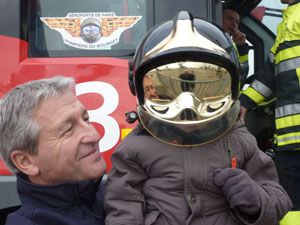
77	203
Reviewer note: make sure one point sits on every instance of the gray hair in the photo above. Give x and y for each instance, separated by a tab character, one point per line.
18	129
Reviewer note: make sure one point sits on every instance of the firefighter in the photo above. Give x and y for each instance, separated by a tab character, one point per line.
230	24
281	75
188	161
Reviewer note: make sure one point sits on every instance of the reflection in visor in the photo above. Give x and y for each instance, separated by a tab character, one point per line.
204	80
91	30
187	91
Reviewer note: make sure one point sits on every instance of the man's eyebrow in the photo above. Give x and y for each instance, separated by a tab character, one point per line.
63	124
68	119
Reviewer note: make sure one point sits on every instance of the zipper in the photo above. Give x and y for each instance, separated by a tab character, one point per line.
232	157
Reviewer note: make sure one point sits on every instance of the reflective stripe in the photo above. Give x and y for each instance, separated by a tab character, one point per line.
287	139
287	121
275	139
243	58
291	218
287	54
254	95
261	88
287	65
287	110
268	102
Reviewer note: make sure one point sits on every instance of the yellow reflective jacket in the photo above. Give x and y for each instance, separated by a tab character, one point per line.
281	74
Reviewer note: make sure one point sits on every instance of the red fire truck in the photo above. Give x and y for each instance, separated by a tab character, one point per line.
92	41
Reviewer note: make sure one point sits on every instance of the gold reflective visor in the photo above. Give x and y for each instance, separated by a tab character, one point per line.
206	81
187	91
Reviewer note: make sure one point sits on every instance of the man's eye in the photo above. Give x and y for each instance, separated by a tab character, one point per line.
66	131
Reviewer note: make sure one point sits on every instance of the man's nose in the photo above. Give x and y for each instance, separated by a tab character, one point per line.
90	133
236	24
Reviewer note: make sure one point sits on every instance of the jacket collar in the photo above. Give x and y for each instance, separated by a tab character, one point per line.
56	196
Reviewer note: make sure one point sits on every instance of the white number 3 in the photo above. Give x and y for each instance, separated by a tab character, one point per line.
101	114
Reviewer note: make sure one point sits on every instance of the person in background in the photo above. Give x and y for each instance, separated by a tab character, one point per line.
46	139
280	75
188	161
230	24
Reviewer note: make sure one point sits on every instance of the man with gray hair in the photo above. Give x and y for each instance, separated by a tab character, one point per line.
46	139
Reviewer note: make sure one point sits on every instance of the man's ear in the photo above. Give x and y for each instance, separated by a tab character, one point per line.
23	160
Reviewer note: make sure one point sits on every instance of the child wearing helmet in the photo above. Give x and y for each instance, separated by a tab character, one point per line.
189	161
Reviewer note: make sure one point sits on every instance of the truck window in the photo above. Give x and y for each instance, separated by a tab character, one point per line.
269	13
86	28
72	28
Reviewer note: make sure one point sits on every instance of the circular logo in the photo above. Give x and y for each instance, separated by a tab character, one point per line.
90	30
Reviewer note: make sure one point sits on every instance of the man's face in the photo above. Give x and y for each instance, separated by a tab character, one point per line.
68	143
149	89
231	20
